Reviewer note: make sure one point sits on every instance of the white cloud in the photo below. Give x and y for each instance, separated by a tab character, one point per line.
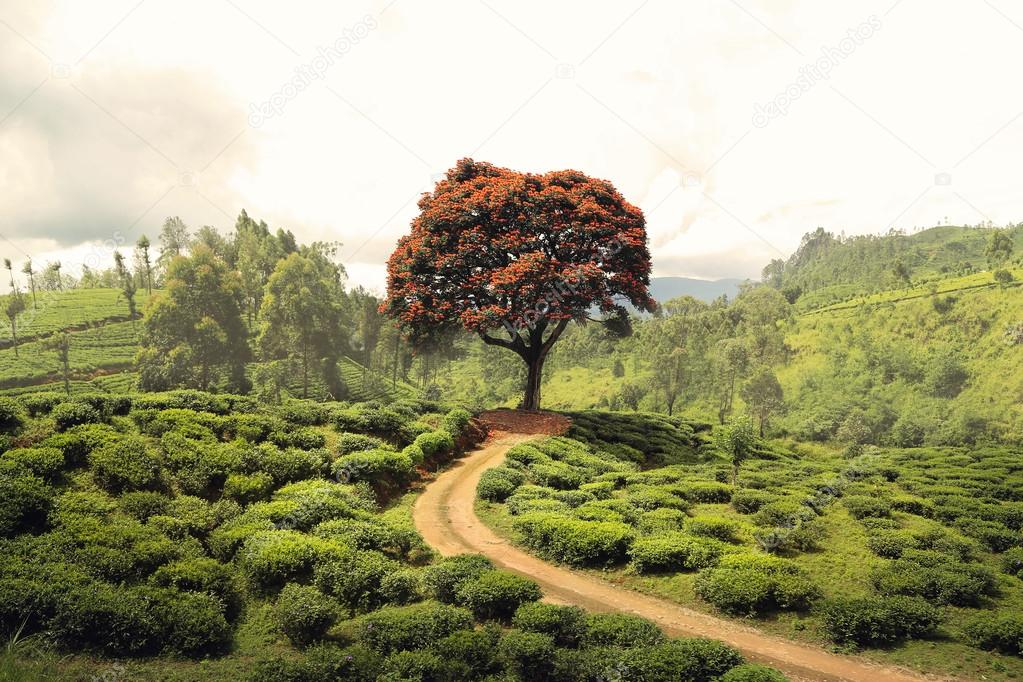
648	95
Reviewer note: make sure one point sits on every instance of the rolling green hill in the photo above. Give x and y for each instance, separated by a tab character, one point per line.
103	347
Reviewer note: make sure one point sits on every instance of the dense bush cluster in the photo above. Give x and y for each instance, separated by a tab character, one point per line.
135	525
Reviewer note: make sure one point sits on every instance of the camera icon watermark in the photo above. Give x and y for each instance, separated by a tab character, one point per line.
691	180
943	179
564	71
60	71
188	179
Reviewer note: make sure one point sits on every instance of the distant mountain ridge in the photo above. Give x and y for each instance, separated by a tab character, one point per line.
666	288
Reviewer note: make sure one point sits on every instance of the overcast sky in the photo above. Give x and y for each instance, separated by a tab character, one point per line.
736	125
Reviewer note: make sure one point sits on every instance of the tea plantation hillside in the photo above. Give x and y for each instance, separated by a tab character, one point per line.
104	343
186	535
909	556
938	364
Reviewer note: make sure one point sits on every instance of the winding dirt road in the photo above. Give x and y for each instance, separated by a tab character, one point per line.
444	515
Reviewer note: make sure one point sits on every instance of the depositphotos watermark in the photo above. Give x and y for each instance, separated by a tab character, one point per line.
815	72
316	69
557	293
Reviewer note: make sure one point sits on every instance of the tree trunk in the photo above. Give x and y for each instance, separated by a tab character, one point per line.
534	375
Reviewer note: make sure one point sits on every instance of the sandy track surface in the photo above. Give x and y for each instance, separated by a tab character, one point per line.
445	516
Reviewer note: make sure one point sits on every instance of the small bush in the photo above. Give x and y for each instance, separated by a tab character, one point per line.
576	542
566	624
1012	562
527	655
73	413
494	486
753	672
497	594
751	584
128	464
878	620
304	613
714	527
24	502
202	575
891	544
443	579
998	632
397	628
682	660
402	587
861	506
269	559
348	443
673	552
750	501
248	488
620	630
355	579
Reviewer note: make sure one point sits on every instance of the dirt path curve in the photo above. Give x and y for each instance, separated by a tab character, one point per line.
444	515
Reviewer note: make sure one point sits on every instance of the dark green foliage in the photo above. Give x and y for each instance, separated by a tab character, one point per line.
74	413
620	630
304	613
355	578
348	443
861	506
1012	562
937	578
682	660
566	624
443	579
999	632
495	595
269	559
576	542
750	501
714	527
527	655
878	620
421	664
24	501
402	587
128	464
135	621
397	628
673	552
890	544
11	414
469	654
753	672
497	484
749	584
206	576
248	488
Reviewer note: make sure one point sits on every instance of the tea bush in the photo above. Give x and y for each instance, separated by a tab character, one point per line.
495	595
878	620
576	542
751	584
673	552
997	632
565	624
304	614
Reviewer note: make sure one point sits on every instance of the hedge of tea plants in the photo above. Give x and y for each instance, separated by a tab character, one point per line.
159	525
945	526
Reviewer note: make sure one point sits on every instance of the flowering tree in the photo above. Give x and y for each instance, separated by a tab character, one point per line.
514	257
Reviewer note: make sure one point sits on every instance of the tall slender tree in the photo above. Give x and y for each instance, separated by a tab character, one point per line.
61	344
27	269
14	305
128	288
142	254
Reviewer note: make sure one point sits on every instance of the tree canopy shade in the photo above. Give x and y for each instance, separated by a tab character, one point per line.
514	257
